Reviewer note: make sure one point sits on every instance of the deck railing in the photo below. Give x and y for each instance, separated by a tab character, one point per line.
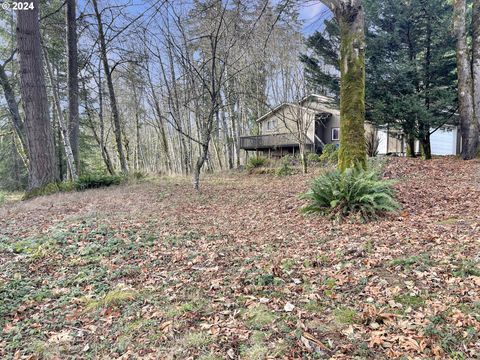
269	141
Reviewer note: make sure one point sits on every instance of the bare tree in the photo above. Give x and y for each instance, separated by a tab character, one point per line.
72	66
99	135
72	167
12	103
111	90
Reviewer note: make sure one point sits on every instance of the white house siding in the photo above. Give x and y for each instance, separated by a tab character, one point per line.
286	119
444	141
382	142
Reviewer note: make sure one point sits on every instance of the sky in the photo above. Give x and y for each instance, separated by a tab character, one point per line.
313	13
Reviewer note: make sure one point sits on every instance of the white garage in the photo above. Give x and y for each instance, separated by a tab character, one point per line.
382	142
444	141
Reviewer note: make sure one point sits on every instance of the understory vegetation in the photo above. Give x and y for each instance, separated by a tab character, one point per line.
158	270
84	182
353	193
256	162
329	154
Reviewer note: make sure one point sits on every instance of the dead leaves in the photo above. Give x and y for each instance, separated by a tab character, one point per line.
209	260
312	344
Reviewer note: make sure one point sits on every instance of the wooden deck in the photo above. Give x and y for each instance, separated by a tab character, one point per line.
269	141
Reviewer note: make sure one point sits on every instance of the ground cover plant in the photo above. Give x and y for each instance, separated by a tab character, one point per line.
158	270
354	193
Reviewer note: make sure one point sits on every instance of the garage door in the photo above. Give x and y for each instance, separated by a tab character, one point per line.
444	141
382	142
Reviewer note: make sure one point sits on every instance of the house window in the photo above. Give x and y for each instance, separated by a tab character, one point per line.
335	134
271	124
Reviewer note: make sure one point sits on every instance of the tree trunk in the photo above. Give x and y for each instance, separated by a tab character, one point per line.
137	142
350	17
424	126
57	138
198	166
468	125
426	147
72	79
161	124
13	109
38	129
476	59
303	157
111	91
424	137
72	167
411	146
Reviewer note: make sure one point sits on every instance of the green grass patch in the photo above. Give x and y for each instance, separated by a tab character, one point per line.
257	348
413	301
422	262
451	340
197	340
210	356
36	248
288	264
314	306
345	315
254	352
466	269
449	221
259	317
114	297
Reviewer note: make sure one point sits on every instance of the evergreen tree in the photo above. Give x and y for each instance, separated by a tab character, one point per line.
410	66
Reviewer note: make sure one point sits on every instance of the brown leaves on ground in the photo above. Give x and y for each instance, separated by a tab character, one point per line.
237	272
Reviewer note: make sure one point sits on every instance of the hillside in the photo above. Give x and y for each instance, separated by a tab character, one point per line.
156	270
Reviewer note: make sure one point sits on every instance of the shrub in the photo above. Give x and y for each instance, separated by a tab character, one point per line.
285	168
372	142
377	165
329	154
256	162
313	158
48	189
138	175
65	186
96	181
2	197
354	192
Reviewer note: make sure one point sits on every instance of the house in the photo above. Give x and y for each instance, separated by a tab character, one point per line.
316	116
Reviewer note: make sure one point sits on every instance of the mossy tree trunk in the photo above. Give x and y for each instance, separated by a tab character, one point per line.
468	125
411	146
350	17
476	59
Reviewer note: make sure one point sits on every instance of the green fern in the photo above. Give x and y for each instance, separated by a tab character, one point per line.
354	192
256	162
329	155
